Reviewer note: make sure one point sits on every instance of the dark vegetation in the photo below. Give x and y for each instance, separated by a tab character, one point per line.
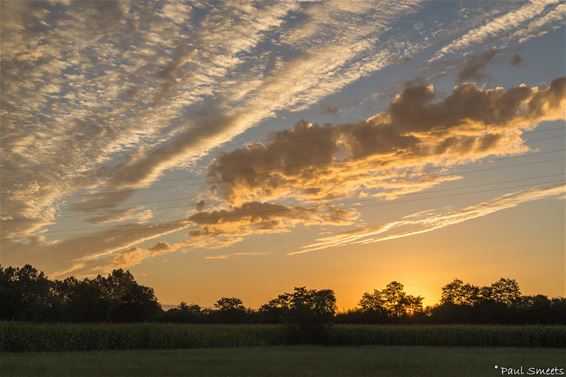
39	314
26	337
28	295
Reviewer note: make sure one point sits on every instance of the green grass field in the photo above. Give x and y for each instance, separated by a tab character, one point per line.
278	361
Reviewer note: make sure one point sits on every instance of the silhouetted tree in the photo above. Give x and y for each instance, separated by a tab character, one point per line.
83	300
456	303
557	310
458	293
276	310
533	309
466	303
184	313
301	306
504	291
26	295
129	301
391	303
229	310
307	313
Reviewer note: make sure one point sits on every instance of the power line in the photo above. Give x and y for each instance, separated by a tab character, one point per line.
298	165
275	211
324	131
248	173
360	206
416	193
192	197
422	175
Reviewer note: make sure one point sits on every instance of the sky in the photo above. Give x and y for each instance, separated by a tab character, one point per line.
246	148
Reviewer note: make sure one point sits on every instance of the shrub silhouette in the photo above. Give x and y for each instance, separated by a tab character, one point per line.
308	313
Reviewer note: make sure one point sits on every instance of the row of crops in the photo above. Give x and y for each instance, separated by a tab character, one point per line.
23	337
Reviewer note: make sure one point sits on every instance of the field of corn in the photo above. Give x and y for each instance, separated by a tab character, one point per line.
27	337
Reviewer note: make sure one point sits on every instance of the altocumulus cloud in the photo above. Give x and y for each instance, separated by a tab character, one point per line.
101	98
383	157
377	158
108	95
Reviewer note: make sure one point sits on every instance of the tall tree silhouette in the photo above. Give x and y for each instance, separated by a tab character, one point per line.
26	294
392	302
129	301
504	291
229	310
307	313
459	293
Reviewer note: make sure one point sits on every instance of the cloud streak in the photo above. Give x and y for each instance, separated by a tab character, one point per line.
102	98
428	221
505	24
407	148
109	95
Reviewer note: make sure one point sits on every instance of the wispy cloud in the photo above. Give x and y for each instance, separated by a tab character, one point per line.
428	221
101	98
118	215
505	24
238	254
109	95
394	153
552	20
250	253
217	257
90	253
117	247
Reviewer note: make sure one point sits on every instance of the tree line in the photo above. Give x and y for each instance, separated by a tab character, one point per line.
28	295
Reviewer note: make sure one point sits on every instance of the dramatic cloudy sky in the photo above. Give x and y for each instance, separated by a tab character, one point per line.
244	148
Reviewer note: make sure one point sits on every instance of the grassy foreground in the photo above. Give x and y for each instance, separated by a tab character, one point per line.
282	361
26	337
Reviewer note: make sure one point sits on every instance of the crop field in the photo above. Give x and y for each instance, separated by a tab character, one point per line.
284	361
26	337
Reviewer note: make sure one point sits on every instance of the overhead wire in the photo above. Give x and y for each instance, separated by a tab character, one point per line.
248	173
285	209
144	202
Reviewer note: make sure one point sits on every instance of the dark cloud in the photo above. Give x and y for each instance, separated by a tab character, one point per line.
224	227
329	110
141	170
414	109
317	162
160	246
227	226
105	200
516	60
473	66
200	204
269	215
